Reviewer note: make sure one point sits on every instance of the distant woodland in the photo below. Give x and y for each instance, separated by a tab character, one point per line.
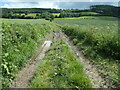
50	14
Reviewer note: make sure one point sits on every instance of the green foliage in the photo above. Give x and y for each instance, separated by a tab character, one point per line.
95	10
75	41
106	10
49	16
98	40
68	14
60	69
26	13
102	37
19	43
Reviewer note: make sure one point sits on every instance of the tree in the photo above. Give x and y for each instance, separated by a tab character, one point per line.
51	18
37	16
23	16
105	9
10	14
26	13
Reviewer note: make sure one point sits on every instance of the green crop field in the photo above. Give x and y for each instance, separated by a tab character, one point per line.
56	14
98	40
24	21
29	14
34	14
91	17
88	13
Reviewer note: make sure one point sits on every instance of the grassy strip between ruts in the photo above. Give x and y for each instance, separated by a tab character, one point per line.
60	69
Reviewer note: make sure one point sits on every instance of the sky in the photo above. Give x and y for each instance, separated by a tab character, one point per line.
57	4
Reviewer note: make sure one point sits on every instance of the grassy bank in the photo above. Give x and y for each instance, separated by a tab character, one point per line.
20	41
60	69
98	40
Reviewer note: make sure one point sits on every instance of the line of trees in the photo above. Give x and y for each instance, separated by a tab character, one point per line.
12	15
46	16
68	14
106	10
31	10
102	10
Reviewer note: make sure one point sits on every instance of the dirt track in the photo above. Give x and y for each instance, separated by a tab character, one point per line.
25	75
89	69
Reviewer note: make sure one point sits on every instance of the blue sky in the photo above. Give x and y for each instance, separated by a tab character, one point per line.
52	4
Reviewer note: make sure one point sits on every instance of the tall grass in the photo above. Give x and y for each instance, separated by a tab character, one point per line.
102	43
19	43
98	40
99	47
100	34
60	69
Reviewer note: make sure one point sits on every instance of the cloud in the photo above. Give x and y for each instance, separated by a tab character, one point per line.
60	0
47	4
17	5
83	5
53	4
42	4
91	0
